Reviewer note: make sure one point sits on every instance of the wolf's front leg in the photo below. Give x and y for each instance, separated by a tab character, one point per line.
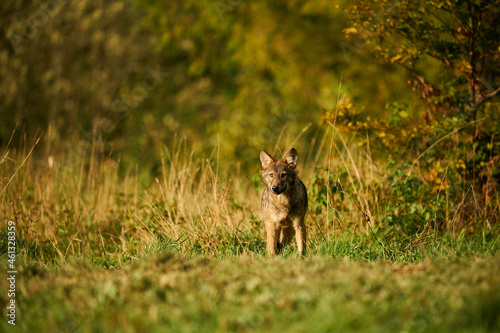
272	239
286	236
301	237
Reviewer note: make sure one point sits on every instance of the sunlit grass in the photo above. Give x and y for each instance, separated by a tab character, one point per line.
100	248
165	292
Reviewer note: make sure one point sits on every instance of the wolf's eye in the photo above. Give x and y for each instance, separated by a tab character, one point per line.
283	174
271	174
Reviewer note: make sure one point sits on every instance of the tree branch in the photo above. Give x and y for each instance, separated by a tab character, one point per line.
492	94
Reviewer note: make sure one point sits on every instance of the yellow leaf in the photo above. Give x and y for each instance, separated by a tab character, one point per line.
396	58
351	31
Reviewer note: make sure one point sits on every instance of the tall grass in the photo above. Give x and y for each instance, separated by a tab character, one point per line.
106	246
76	201
79	200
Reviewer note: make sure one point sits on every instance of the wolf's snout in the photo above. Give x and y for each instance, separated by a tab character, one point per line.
277	189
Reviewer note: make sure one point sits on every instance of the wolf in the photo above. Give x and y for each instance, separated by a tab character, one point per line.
283	203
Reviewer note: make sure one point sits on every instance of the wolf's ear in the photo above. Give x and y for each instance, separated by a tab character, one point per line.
291	158
265	158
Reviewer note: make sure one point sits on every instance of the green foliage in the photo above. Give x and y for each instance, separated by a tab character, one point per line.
63	65
459	37
452	143
452	37
325	189
406	210
257	183
132	75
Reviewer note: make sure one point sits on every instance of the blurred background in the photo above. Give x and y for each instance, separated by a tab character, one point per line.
228	77
229	74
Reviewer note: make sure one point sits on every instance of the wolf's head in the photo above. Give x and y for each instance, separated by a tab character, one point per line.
279	175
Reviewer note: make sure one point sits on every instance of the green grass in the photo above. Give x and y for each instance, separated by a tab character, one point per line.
100	249
167	292
344	284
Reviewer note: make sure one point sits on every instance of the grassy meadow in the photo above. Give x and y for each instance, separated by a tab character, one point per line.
100	248
169	292
130	185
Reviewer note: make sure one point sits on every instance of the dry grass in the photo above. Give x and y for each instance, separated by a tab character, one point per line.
180	248
80	201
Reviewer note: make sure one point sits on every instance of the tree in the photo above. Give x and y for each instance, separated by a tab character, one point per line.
461	38
451	49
